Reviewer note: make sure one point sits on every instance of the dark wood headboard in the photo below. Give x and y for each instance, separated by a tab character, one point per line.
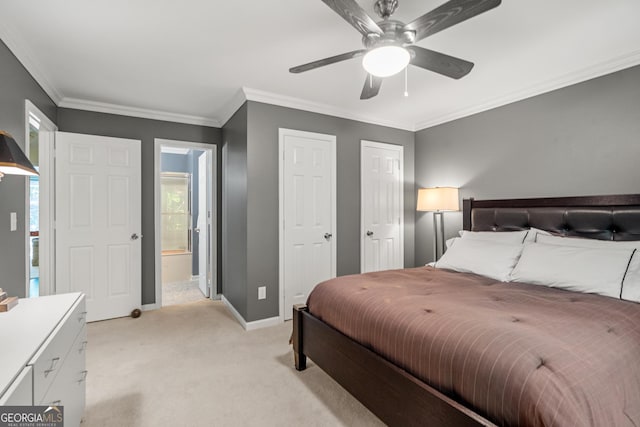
597	217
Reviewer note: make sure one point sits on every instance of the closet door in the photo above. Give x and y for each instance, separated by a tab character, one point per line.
308	215
98	222
382	225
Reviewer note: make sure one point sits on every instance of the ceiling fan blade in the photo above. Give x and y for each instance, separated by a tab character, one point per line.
440	63
354	15
327	61
371	87
451	13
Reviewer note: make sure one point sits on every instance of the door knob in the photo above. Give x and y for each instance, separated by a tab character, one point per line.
369	233
197	230
135	236
328	236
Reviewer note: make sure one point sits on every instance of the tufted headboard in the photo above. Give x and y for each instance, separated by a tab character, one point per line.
594	217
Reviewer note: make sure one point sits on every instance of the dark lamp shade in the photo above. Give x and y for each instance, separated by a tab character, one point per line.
13	161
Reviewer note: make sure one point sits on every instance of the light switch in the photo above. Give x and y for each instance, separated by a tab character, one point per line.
14	221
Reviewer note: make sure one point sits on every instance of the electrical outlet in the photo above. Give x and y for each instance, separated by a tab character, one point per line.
262	292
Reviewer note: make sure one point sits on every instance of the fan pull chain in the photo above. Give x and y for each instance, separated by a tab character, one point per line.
406	82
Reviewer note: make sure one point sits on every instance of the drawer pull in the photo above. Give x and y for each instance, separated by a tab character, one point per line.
82	317
83	347
84	376
54	362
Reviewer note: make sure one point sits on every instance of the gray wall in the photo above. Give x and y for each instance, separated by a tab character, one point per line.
262	203
171	162
16	85
87	122
234	235
579	140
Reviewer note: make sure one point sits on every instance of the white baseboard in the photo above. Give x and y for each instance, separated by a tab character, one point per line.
233	311
149	307
250	326
263	323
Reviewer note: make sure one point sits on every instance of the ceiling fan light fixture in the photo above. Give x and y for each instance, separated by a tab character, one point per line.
385	61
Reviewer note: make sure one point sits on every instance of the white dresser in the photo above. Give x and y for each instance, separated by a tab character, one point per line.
42	357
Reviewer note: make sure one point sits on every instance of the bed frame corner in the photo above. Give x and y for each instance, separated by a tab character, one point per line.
300	358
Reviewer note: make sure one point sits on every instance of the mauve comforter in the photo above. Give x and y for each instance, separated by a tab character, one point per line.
521	355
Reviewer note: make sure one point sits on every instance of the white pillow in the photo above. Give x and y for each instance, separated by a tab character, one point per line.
496	236
592	270
490	259
631	283
533	232
449	242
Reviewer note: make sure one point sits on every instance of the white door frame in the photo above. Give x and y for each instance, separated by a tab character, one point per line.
211	149
384	146
223	212
331	139
47	201
203	218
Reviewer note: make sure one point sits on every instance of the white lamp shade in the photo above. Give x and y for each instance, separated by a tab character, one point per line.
386	61
438	199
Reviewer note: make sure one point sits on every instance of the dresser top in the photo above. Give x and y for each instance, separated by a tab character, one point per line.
24	328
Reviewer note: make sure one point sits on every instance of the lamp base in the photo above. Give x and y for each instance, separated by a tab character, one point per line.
438	235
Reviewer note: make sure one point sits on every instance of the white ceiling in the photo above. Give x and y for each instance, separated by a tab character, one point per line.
189	60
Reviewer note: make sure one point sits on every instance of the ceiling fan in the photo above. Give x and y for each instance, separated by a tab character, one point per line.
389	44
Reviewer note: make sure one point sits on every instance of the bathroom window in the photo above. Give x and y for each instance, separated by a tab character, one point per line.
176	212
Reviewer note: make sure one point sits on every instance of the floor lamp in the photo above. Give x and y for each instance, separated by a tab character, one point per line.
438	200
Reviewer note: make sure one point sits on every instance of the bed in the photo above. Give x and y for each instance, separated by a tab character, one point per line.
410	391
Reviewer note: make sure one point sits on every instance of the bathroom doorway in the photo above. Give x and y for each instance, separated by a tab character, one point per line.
185	212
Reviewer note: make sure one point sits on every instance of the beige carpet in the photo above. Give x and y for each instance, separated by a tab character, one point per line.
194	365
181	293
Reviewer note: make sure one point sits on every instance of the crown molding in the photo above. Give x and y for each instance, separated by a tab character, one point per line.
314	107
603	68
230	108
19	48
122	110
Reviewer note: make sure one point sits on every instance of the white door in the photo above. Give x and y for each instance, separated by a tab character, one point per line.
203	227
98	224
308	214
382	223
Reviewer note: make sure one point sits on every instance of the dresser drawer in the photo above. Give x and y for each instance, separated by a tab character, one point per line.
49	359
21	390
69	387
